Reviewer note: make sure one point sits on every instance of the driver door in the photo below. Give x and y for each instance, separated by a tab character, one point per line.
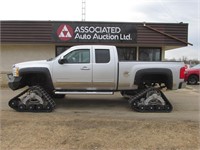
75	72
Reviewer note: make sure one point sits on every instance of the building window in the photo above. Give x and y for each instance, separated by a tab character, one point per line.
102	55
149	54
126	54
61	49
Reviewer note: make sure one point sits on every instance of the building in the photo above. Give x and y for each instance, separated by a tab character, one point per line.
35	40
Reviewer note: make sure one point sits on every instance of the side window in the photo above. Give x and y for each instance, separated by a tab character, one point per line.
102	55
78	56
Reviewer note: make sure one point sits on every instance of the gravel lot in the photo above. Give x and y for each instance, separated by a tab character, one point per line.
103	123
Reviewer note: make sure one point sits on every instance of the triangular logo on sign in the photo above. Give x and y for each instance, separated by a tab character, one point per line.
65	32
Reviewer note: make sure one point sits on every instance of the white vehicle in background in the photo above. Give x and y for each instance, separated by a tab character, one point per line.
94	69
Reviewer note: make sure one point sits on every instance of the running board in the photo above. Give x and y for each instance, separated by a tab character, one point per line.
83	93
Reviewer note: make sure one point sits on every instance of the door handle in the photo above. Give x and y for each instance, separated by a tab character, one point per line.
85	68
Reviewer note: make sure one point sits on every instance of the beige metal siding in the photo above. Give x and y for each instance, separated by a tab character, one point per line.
12	54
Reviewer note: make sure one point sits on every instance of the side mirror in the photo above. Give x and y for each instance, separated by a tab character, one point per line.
61	61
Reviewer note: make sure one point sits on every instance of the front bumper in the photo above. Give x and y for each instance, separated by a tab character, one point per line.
14	82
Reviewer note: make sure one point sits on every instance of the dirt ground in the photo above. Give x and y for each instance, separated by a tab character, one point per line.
103	123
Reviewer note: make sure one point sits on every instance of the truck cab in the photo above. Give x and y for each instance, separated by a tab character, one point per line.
86	68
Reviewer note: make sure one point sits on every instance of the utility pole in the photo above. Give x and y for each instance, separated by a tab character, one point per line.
83	10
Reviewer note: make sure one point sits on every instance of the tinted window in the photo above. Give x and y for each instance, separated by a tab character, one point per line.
102	55
126	54
149	54
78	56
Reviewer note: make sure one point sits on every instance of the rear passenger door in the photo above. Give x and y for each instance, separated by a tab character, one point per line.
104	68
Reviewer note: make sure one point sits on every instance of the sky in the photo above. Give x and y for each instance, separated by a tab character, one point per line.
164	11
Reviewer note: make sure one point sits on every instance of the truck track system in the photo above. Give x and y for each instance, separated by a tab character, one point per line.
33	99
150	100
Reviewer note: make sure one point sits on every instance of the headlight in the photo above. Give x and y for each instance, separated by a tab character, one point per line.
15	71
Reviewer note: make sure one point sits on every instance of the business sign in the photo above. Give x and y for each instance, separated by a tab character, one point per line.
84	32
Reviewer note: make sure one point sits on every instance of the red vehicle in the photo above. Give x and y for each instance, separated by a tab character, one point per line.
192	75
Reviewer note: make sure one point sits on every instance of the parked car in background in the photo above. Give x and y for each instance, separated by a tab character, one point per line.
192	75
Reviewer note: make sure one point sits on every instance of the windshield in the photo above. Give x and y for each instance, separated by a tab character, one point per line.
50	59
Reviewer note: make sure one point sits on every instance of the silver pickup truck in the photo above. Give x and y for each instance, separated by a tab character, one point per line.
94	69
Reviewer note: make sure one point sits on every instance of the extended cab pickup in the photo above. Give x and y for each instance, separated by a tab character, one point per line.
90	69
95	68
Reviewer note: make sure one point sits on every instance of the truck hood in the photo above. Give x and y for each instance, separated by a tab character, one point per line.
40	63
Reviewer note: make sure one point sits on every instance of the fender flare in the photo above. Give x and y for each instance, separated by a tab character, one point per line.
38	70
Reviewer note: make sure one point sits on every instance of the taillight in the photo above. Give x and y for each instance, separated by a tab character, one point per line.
182	73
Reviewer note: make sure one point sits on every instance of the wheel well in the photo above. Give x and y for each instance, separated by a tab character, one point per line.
37	76
194	75
153	79
35	79
153	76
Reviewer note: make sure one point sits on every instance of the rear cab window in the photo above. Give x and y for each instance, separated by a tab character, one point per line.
102	55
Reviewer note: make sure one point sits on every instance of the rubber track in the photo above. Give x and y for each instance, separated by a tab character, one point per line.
15	101
134	103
